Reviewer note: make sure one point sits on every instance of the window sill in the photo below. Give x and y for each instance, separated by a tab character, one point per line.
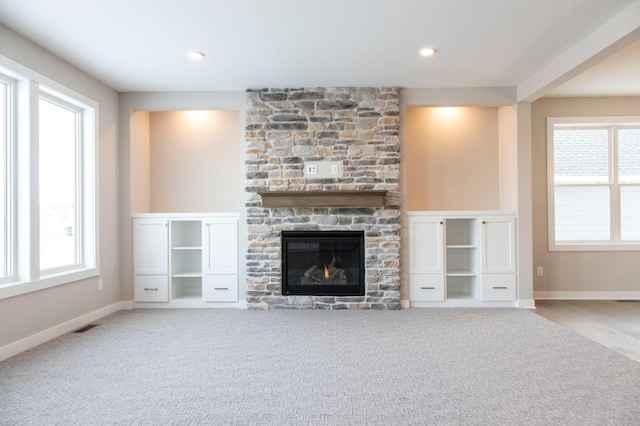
594	247
24	287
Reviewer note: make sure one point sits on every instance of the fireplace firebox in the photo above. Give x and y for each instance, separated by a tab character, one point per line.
323	263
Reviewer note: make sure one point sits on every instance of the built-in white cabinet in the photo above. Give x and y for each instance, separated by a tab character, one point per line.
220	281
462	258
185	260
499	263
151	260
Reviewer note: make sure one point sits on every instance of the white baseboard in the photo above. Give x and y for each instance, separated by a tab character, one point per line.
457	303
44	336
586	295
526	303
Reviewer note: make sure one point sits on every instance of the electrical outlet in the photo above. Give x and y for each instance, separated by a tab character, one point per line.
312	169
540	271
335	169
100	286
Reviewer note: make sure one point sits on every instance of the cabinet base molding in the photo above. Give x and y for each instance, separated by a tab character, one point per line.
189	304
464	303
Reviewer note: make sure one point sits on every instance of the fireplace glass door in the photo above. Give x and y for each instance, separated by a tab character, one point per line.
323	263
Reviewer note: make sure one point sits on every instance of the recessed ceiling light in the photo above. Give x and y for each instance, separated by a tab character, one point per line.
427	51
195	55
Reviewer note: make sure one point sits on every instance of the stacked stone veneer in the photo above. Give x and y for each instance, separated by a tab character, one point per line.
357	126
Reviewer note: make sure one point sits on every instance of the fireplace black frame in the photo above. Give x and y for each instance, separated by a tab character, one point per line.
356	289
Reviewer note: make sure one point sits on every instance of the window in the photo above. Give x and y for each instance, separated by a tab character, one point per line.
6	182
60	176
48	181
594	183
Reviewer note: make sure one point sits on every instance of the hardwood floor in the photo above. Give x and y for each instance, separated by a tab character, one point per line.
615	324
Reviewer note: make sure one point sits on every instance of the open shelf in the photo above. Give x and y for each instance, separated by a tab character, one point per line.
186	287
186	234
461	240
462	287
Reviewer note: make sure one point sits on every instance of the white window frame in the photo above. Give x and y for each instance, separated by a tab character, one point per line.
9	204
615	244
29	87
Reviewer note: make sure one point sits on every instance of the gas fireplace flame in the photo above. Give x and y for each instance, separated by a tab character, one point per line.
326	272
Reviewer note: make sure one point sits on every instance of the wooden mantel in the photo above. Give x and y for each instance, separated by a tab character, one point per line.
366	198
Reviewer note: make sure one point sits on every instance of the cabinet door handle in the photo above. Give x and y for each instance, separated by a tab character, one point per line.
500	287
484	223
427	288
151	288
221	288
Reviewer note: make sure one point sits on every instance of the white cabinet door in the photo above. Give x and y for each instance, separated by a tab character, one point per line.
220	288
220	246
499	245
426	245
151	246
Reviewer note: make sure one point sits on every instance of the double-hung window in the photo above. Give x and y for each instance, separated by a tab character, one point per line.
593	192
48	183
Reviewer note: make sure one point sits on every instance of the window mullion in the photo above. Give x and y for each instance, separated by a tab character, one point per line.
79	190
8	170
615	186
27	182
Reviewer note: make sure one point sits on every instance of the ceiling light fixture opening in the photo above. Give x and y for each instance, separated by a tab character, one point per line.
195	55
427	51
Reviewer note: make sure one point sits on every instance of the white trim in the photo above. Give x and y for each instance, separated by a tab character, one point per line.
22	287
586	295
526	303
464	303
188	304
44	336
29	86
405	304
460	213
184	215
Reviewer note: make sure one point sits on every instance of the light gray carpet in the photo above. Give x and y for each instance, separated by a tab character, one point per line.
428	366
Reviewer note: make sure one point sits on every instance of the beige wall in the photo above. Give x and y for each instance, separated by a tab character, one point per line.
452	158
194	161
596	274
508	157
32	313
141	161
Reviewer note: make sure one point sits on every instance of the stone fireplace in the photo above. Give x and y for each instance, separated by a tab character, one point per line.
355	127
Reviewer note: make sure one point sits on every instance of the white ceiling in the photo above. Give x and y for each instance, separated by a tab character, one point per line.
140	45
618	75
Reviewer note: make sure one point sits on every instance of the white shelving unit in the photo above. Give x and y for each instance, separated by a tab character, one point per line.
462	259
186	259
173	256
